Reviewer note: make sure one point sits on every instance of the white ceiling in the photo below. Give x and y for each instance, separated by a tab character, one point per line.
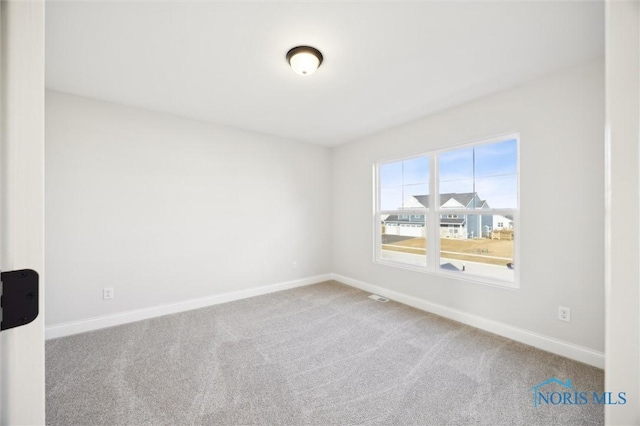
385	63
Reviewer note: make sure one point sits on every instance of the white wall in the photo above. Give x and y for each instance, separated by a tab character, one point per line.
622	373
561	121
166	209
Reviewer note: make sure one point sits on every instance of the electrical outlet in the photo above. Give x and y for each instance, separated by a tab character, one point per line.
295	265
564	313
107	293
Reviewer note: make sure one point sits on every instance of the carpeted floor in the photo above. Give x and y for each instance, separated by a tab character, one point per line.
323	354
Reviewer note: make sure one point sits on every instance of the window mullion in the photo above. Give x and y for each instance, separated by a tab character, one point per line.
377	231
433	243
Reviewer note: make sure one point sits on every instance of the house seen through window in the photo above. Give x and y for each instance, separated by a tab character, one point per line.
460	220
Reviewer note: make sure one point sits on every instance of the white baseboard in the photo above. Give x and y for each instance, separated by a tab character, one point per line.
75	327
549	344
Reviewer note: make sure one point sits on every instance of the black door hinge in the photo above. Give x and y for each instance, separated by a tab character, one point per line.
19	299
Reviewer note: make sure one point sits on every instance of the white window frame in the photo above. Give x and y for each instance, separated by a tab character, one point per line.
433	216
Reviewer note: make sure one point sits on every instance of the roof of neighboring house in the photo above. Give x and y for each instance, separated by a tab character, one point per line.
463	198
449	221
395	218
443	221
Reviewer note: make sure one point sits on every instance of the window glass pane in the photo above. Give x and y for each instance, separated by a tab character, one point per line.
456	190
480	245
415	196
404	239
458	200
390	198
496	173
391	174
480	177
455	169
402	181
501	192
499	158
456	164
415	170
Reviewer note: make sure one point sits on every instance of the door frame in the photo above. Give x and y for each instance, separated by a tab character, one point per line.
22	379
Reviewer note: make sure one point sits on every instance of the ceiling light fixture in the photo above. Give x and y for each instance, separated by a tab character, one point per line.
304	60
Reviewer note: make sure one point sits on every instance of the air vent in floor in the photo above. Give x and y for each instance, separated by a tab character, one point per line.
378	298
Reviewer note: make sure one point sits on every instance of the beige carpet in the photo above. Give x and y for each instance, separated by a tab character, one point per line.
323	354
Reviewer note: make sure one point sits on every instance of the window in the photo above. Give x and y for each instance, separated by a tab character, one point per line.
453	197
402	187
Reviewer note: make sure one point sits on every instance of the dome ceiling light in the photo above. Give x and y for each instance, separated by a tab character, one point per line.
304	60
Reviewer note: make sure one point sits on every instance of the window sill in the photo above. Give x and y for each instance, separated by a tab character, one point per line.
462	276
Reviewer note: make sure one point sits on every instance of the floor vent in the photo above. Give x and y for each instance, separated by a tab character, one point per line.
378	298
